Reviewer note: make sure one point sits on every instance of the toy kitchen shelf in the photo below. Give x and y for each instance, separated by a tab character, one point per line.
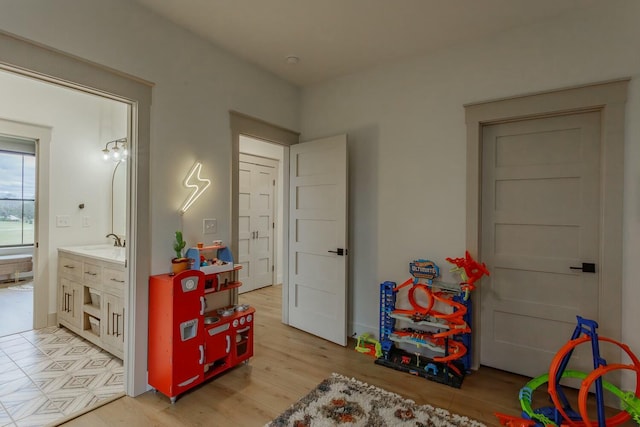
215	280
218	252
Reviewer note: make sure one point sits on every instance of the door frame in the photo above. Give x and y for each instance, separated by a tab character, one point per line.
609	99
36	61
243	124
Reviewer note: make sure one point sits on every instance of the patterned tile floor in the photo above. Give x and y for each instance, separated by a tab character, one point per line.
51	373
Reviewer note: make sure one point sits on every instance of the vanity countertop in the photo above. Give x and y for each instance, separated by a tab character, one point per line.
104	252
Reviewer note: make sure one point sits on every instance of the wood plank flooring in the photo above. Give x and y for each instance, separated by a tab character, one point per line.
287	364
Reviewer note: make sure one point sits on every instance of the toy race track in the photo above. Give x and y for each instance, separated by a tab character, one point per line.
432	339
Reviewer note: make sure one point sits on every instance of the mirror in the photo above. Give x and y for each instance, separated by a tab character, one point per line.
119	199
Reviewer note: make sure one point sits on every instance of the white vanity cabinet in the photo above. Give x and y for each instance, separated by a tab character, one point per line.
91	297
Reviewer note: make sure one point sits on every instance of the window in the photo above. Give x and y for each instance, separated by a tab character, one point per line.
17	192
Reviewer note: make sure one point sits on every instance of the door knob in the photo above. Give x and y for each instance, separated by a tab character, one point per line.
587	267
340	252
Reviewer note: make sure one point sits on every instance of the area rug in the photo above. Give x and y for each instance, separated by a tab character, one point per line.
347	402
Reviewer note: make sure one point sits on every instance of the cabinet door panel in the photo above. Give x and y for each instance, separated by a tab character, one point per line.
113	321
70	302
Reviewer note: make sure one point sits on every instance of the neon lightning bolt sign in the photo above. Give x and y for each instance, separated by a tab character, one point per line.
198	184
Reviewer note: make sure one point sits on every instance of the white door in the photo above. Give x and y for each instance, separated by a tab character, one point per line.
257	177
540	222
318	238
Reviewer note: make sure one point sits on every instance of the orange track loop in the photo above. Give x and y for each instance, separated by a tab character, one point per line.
621	417
586	383
415	304
459	309
454	317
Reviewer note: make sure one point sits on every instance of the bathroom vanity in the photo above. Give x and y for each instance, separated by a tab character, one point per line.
91	287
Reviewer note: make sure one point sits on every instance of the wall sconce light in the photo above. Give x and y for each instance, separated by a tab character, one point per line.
198	184
118	150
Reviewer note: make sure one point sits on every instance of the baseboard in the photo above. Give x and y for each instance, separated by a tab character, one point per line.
52	319
357	329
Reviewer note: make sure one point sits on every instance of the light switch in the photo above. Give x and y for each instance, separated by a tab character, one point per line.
209	226
63	221
86	221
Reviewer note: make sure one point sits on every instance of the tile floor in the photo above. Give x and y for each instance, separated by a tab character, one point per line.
51	373
16	301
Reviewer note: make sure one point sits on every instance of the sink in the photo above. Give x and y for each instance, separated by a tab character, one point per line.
104	252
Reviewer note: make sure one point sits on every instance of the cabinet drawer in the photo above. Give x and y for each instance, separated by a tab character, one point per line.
70	268
91	273
113	281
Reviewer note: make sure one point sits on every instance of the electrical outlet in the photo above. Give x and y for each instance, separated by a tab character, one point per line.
63	221
209	226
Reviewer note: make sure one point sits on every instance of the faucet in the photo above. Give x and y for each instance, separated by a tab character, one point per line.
116	240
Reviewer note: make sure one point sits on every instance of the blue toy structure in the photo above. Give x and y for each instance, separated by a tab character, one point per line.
428	330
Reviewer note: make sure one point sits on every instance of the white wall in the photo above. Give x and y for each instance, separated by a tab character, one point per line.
80	125
196	84
407	140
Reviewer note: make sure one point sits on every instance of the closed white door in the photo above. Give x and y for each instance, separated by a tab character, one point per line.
540	226
256	221
318	238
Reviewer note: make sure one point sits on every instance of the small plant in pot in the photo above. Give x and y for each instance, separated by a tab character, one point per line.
179	263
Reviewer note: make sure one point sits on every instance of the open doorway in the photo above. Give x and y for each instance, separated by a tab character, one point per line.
56	190
260	215
249	128
52	136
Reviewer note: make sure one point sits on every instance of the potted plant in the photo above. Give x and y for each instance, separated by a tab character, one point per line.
179	263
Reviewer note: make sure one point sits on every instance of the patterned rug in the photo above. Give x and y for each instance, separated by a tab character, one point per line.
342	401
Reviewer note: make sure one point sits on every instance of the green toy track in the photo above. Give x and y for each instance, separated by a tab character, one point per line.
630	400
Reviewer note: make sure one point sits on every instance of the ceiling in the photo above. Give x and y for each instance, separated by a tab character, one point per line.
338	37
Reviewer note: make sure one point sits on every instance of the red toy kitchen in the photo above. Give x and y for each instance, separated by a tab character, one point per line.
195	330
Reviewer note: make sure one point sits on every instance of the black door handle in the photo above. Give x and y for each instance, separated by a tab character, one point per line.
340	252
587	267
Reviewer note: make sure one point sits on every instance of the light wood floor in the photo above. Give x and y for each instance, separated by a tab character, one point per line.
289	363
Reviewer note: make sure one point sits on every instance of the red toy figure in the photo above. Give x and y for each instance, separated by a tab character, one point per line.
473	270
